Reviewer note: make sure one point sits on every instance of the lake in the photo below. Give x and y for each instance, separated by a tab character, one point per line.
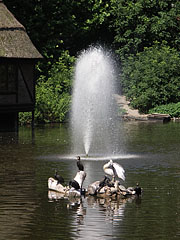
151	156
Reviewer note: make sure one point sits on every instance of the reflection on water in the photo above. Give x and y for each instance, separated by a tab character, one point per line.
113	208
29	211
93	216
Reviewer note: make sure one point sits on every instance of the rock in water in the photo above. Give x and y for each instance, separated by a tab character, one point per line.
53	185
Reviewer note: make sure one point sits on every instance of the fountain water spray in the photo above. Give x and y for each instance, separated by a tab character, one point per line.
93	105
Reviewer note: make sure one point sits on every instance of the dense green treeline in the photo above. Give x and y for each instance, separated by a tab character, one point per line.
147	39
145	34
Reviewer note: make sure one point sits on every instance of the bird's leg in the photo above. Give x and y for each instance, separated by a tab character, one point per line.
81	191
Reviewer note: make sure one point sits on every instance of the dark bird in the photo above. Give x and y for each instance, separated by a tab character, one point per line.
104	182
59	178
138	190
79	164
74	184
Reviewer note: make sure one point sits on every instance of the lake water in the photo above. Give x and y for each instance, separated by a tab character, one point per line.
29	211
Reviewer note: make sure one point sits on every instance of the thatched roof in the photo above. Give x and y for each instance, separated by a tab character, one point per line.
14	41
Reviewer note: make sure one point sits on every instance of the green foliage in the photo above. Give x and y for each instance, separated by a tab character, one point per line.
152	78
25	118
51	106
173	109
137	24
53	94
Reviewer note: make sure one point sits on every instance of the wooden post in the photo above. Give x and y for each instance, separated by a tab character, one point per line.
32	127
32	122
16	122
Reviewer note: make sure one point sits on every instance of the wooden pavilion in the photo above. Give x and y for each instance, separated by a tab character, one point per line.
18	57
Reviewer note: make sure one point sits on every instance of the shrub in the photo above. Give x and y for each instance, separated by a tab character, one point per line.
152	77
53	94
173	109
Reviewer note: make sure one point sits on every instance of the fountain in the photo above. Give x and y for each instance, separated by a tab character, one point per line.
94	110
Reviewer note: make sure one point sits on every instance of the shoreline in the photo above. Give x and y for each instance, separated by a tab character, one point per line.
130	114
134	115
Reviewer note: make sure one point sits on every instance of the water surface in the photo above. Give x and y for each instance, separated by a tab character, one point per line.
151	156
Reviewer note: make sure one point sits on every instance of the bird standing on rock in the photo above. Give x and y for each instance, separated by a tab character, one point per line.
59	178
104	182
79	164
80	175
115	170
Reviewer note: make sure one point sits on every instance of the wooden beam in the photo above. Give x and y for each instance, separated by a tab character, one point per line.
24	79
16	107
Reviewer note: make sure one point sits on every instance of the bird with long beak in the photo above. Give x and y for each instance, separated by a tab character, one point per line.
114	169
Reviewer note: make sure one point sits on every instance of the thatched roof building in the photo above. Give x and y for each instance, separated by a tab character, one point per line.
18	57
14	41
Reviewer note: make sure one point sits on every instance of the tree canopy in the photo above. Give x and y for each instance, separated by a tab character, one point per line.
152	77
138	24
56	25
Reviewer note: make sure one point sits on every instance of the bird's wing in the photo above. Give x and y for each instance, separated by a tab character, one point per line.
107	169
119	170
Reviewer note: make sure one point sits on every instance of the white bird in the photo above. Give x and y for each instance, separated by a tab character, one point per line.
114	169
80	177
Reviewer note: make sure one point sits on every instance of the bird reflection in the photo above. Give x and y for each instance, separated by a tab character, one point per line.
113	209
76	205
53	196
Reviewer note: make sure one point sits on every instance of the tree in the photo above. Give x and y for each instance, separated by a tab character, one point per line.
58	25
138	23
53	93
152	77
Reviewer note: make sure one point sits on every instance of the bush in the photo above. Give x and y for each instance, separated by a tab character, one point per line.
25	118
173	109
152	78
53	95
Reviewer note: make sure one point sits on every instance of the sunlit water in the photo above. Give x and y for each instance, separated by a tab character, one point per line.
29	211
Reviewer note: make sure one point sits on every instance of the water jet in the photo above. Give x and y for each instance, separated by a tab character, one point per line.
94	109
